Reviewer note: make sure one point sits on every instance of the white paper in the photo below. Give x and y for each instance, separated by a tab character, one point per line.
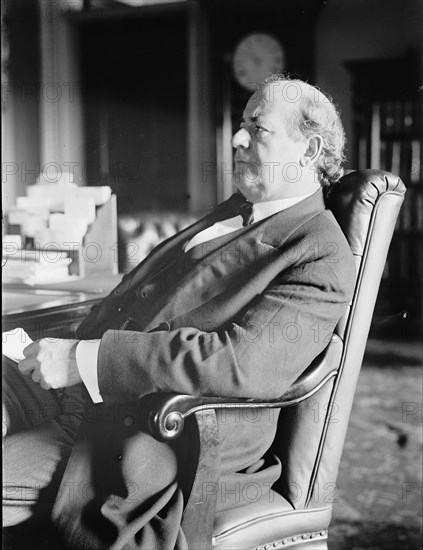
14	342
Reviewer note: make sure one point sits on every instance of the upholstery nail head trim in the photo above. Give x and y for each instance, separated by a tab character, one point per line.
294	539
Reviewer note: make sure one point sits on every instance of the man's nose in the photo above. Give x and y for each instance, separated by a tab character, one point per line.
241	139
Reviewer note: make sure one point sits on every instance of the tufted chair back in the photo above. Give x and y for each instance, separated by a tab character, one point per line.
311	434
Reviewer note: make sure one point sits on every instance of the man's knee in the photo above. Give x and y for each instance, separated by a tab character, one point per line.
33	463
25	403
149	462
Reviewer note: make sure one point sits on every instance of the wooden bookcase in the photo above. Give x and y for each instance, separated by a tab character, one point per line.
387	136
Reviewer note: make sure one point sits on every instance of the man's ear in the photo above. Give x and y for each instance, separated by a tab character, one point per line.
313	150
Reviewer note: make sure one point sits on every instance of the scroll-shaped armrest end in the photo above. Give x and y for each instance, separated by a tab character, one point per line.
165	413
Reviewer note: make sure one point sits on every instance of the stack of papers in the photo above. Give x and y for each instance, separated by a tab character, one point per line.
35	267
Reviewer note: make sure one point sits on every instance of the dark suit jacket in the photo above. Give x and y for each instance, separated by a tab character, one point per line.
242	315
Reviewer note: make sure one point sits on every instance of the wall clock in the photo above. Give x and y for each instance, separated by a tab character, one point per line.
255	57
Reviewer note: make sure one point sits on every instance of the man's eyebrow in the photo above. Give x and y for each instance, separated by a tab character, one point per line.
254	118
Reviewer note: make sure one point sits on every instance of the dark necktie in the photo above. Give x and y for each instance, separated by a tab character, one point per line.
246	212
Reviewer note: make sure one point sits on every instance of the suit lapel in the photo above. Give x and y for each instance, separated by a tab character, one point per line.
204	276
206	271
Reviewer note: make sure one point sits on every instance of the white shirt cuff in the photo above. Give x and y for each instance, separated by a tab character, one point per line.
86	361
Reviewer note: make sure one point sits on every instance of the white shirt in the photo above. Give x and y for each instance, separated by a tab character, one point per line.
87	350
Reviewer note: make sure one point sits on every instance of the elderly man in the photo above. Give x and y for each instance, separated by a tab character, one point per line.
227	307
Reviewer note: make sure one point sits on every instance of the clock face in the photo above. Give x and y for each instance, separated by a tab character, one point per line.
255	57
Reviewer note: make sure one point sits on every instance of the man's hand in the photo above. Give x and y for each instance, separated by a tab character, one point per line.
51	362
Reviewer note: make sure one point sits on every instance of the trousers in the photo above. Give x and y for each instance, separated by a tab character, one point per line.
40	433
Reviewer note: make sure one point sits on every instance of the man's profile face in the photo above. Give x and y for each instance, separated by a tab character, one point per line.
267	158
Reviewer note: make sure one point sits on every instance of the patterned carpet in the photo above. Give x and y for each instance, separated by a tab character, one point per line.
380	480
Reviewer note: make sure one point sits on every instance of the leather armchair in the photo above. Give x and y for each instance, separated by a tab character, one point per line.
366	204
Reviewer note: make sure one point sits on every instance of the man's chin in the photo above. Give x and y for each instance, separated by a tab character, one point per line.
242	188
251	193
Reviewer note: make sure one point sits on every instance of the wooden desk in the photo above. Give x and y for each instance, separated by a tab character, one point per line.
54	310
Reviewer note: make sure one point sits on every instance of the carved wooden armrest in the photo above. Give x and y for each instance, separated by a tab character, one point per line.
167	412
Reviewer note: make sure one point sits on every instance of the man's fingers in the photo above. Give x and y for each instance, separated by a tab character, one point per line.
36	376
26	366
31	350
